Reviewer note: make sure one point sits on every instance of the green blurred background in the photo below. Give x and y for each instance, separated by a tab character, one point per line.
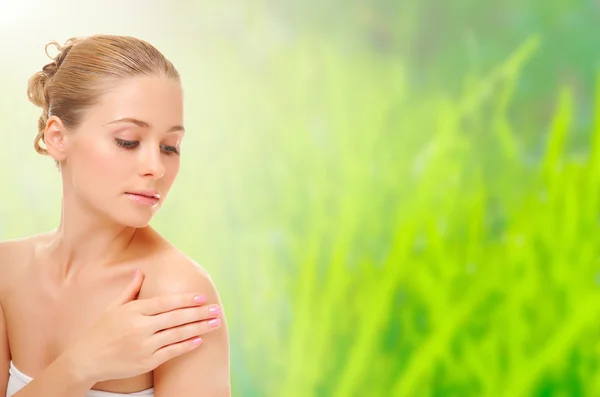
394	198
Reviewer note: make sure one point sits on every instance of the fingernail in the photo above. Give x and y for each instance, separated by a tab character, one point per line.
137	271
215	310
199	299
197	341
214	323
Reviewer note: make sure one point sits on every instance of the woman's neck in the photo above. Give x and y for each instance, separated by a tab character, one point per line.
83	240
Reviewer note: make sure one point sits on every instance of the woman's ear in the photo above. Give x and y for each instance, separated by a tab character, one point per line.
56	139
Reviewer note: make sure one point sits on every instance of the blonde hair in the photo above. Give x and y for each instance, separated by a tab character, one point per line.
83	70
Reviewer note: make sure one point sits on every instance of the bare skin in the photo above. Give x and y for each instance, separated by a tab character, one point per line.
55	286
34	299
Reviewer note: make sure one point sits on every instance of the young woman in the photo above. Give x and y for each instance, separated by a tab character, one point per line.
103	305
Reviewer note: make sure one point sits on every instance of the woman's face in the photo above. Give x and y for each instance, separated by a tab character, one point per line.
127	148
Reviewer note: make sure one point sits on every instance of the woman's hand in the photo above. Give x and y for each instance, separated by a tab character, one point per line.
135	336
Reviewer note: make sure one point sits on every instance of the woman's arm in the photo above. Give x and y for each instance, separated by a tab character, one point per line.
205	371
59	379
4	354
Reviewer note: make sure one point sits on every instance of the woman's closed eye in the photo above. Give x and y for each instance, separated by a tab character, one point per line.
126	144
133	144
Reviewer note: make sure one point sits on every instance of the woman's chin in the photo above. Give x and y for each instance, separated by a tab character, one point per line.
137	220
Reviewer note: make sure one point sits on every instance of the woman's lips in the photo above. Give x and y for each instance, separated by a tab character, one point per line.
142	199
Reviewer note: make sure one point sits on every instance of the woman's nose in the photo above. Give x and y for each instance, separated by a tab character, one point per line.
151	164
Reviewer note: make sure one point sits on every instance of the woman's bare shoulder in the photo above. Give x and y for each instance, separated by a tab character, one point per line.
208	368
10	247
170	270
18	245
14	255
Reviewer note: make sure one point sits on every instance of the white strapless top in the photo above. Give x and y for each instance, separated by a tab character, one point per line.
18	380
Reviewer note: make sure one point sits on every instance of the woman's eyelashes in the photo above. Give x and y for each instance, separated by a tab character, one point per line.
126	144
133	144
171	149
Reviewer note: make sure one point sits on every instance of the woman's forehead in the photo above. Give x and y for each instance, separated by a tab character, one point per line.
153	101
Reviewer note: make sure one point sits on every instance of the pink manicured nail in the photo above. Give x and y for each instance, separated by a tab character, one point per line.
214	323
215	310
197	341
199	299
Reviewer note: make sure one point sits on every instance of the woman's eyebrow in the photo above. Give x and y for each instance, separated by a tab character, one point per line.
144	124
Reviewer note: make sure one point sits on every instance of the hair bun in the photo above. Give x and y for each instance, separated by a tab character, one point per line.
36	90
